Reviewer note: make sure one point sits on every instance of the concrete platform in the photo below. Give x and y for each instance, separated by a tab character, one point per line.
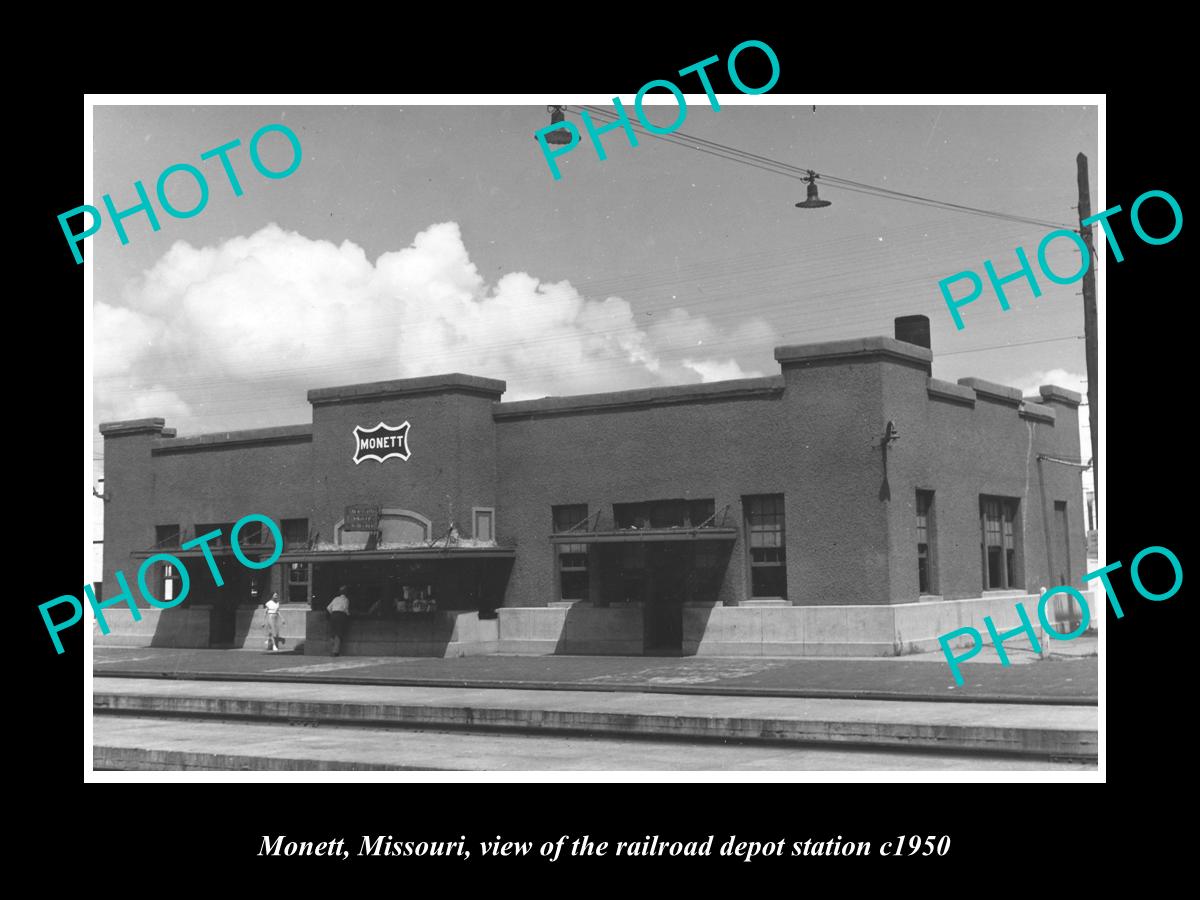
1045	731
180	745
1058	681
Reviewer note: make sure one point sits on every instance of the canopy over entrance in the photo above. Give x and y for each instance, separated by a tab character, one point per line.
397	581
399	555
643	535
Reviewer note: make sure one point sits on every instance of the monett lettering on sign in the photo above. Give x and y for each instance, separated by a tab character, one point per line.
381	442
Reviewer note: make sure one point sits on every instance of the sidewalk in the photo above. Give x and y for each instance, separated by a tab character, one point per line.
1061	680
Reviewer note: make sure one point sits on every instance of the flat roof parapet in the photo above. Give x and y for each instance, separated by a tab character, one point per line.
1052	393
132	426
282	434
854	350
404	387
1031	410
742	388
993	391
948	390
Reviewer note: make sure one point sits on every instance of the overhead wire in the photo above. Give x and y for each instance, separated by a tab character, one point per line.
1065	337
747	286
757	284
789	170
233	409
771	282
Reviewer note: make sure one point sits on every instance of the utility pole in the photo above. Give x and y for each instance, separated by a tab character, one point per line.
1090	337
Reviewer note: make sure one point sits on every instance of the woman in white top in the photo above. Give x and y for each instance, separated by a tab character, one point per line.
274	621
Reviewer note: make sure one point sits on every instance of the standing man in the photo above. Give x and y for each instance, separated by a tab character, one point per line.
339	617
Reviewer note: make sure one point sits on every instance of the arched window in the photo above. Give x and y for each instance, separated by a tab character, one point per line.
396	526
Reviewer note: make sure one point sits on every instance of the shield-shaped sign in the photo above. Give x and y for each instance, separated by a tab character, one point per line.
381	442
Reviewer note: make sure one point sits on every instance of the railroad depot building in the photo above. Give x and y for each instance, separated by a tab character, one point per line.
851	504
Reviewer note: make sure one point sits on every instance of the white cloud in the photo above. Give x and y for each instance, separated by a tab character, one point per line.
1072	381
240	331
714	370
155	401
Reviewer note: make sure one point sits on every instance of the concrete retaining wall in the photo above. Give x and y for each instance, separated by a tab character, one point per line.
580	628
918	625
715	630
188	627
708	629
252	624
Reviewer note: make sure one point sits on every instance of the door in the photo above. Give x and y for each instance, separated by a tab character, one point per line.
239	589
1062	543
663	610
222	620
1070	611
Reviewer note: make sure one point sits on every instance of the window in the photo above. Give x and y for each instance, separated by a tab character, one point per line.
172	582
663	514
251	534
998	517
396	526
298	580
631	515
222	540
700	512
572	558
765	537
483	523
166	536
295	532
926	538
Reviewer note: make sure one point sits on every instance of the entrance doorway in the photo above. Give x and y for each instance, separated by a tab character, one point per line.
1066	607
667	565
241	589
222	623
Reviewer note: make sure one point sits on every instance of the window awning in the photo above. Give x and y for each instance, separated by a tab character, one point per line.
197	553
218	550
400	555
643	535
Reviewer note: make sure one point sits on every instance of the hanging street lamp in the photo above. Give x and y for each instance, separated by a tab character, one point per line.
558	135
813	201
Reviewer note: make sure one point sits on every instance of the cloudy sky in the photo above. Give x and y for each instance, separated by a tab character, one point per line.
415	240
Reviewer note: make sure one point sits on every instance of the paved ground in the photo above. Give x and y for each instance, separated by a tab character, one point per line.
1068	677
174	744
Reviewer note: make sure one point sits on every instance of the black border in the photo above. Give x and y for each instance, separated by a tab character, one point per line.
1023	831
